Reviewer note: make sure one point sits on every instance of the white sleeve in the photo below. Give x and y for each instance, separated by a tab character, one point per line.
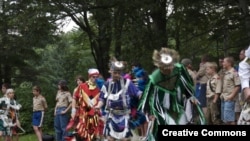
244	74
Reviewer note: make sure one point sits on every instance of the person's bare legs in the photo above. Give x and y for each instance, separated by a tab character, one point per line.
1	136
15	137
7	138
38	132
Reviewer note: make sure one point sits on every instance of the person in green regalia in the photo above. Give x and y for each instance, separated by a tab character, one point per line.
168	98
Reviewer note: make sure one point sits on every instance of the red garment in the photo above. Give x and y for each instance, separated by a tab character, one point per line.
89	123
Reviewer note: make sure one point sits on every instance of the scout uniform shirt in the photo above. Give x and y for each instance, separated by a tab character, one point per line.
214	86
230	80
39	103
63	99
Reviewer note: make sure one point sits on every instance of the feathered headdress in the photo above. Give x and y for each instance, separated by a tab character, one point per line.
165	57
116	65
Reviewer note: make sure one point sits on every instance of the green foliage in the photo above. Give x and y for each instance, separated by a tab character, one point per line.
24	97
24	26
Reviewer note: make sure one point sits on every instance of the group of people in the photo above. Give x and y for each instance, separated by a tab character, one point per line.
10	126
173	94
125	103
218	91
221	89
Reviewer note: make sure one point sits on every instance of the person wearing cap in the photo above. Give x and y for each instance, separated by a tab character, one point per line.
87	122
63	105
115	97
170	87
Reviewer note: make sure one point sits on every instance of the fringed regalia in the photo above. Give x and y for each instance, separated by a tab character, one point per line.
244	118
169	98
8	110
89	124
116	96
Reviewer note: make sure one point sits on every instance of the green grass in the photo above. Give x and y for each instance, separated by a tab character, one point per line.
31	136
28	137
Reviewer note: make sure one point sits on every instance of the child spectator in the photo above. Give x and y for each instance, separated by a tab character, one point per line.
39	106
214	88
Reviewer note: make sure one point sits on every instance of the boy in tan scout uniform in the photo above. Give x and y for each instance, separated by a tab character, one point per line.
63	105
214	88
230	89
39	106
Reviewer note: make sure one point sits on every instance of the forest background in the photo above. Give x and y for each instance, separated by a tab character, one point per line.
35	51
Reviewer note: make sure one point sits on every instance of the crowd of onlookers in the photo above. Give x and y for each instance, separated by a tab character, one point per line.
218	88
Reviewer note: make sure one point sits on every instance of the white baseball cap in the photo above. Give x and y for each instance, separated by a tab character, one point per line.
93	71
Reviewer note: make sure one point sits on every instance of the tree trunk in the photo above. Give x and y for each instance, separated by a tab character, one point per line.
101	50
158	15
119	19
5	69
100	38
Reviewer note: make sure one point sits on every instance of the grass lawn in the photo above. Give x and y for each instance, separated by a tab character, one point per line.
29	137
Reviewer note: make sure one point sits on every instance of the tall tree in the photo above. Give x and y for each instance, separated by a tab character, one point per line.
100	34
24	26
105	22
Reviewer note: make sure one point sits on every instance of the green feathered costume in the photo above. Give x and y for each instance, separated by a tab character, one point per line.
169	98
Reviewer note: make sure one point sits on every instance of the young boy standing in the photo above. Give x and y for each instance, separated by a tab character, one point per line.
214	88
39	106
